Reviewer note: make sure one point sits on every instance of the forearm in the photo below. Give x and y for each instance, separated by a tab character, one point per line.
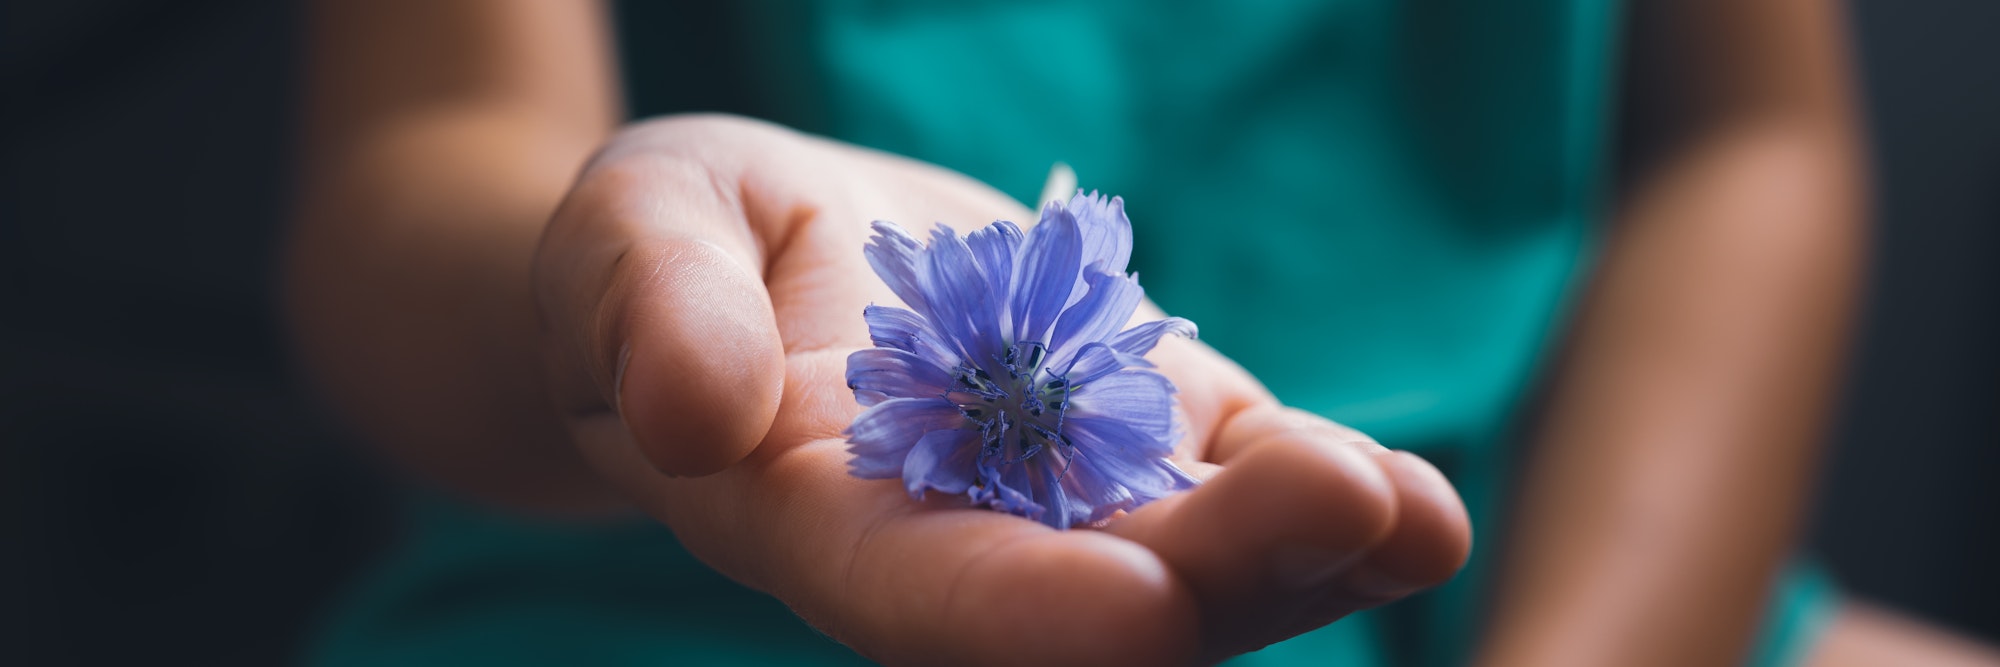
1675	460
440	137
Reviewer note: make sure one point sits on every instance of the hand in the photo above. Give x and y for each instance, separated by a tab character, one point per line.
701	288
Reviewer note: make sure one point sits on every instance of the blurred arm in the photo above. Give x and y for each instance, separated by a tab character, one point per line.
1674	464
439	138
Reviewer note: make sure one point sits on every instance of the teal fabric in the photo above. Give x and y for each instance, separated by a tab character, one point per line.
1379	208
1802	606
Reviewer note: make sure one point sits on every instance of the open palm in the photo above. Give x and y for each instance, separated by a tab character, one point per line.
701	290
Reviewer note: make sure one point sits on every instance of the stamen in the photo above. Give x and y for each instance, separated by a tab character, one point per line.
1019	405
1036	352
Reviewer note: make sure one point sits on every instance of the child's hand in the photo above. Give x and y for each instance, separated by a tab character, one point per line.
701	288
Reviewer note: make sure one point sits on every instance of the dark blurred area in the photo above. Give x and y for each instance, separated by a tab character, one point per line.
166	495
1911	498
171	496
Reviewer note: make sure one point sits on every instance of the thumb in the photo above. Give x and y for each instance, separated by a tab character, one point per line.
657	326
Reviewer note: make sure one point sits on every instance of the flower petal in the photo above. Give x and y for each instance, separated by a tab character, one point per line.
1140	339
1102	312
1146	479
896	374
994	246
1130	417
896	328
960	299
1115	439
1097	360
1139	399
1061	509
1011	491
1094	490
881	437
1046	274
1107	233
943	460
897	258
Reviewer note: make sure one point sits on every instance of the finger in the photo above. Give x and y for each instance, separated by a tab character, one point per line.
904	583
1432	535
1262	541
649	283
1258	425
1431	540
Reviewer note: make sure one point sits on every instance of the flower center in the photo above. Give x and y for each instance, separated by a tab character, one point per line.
1019	416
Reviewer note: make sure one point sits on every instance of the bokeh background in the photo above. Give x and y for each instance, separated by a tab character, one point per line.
168	496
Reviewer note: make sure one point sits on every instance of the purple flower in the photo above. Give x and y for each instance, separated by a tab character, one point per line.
1009	379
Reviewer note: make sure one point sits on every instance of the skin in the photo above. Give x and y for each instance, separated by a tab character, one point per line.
516	300
1673	470
439	137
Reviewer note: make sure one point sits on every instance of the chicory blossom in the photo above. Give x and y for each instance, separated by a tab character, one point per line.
1011	378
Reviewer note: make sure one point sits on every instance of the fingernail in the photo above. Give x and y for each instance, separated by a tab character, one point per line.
1306	567
618	379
